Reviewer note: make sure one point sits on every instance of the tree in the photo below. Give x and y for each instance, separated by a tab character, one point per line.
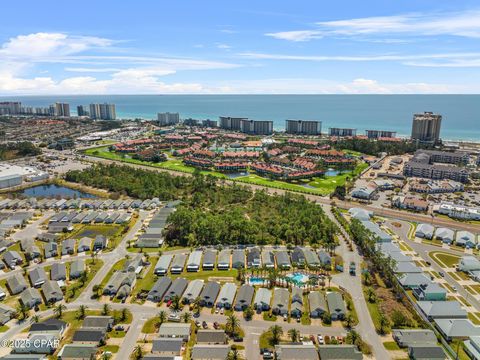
186	317
161	318
232	325
294	335
175	305
96	288
22	310
353	337
367	278
248	313
383	323
398	319
138	352
106	310
124	315
58	310
233	354
81	312
35	319
371	296
326	318
277	333
349	320
83	277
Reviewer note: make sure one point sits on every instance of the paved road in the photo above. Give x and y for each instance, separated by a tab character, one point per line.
353	284
403	215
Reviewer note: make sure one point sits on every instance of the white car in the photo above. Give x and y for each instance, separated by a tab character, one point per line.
320	340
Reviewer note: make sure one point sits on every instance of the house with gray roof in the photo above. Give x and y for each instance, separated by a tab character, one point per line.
194	261
118	280
407	267
163	263
50	249
209	259
254	258
360	214
178	287
37	277
77	267
100	243
317	304
16	284
68	247
175	330
414	337
283	260
335	352
311	258
430	292
468	263
296	352
226	295
85	244
211	336
209	294
281	297
336	306
159	289
31	297
103	322
456	328
244	297
178	264
325	259
52	292
425	231
472	347
6	313
238	259
224	260
89	336
12	259
263	298
210	352
296	307
426	352
298	258
58	271
77	351
133	263
268	259
446	235
413	280
166	348
442	309
465	239
378	233
193	291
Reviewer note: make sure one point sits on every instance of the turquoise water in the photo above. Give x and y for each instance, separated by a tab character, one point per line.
256	280
298	278
461	113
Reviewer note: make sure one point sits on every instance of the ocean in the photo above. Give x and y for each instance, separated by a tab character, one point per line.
461	113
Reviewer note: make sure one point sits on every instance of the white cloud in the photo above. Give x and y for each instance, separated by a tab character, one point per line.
463	24
47	44
224	46
297	36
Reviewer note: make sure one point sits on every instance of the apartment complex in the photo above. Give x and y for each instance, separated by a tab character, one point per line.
426	127
424	164
342	132
231	123
256	127
168	118
375	134
10	108
103	111
303	127
82	111
60	109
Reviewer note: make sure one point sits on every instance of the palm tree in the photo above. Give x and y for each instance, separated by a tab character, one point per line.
370	295
123	315
248	313
277	333
138	352
83	277
106	310
96	288
58	310
349	320
186	317
175	305
81	312
35	319
383	322
162	317
353	337
294	335
232	324
367	278
233	354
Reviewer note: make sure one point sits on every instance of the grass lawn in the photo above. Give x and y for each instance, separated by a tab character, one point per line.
265	340
148	280
117	266
117	334
463	301
391	345
267	316
320	186
149	326
3	328
205	275
473	318
404	246
92	268
444	259
112	348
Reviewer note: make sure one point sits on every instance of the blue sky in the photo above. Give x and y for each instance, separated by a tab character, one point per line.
190	47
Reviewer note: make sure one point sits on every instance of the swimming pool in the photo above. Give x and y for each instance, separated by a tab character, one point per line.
298	278
256	280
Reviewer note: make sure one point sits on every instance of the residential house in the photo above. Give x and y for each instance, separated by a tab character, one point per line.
58	271
430	292
336	305
88	336
100	243
176	290
16	284
238	259
424	231
194	261
77	352
226	295
442	309
167	348
446	235
414	337
254	258
31	297
77	267
68	247
37	277
193	291
244	297
335	352
224	260
210	352
456	328
283	260
209	259
209	336
268	259
298	258
175	330
317	303
178	264
426	352
50	249
325	259
262	300
159	289
85	244
163	263
281	297
296	352
296	307
209	294
52	292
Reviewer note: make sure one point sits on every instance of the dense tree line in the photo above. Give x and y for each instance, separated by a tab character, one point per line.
19	149
130	181
371	147
213	213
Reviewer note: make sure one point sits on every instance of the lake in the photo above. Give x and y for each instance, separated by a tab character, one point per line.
53	190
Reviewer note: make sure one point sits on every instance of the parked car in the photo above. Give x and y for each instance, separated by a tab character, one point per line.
204	324
320	340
